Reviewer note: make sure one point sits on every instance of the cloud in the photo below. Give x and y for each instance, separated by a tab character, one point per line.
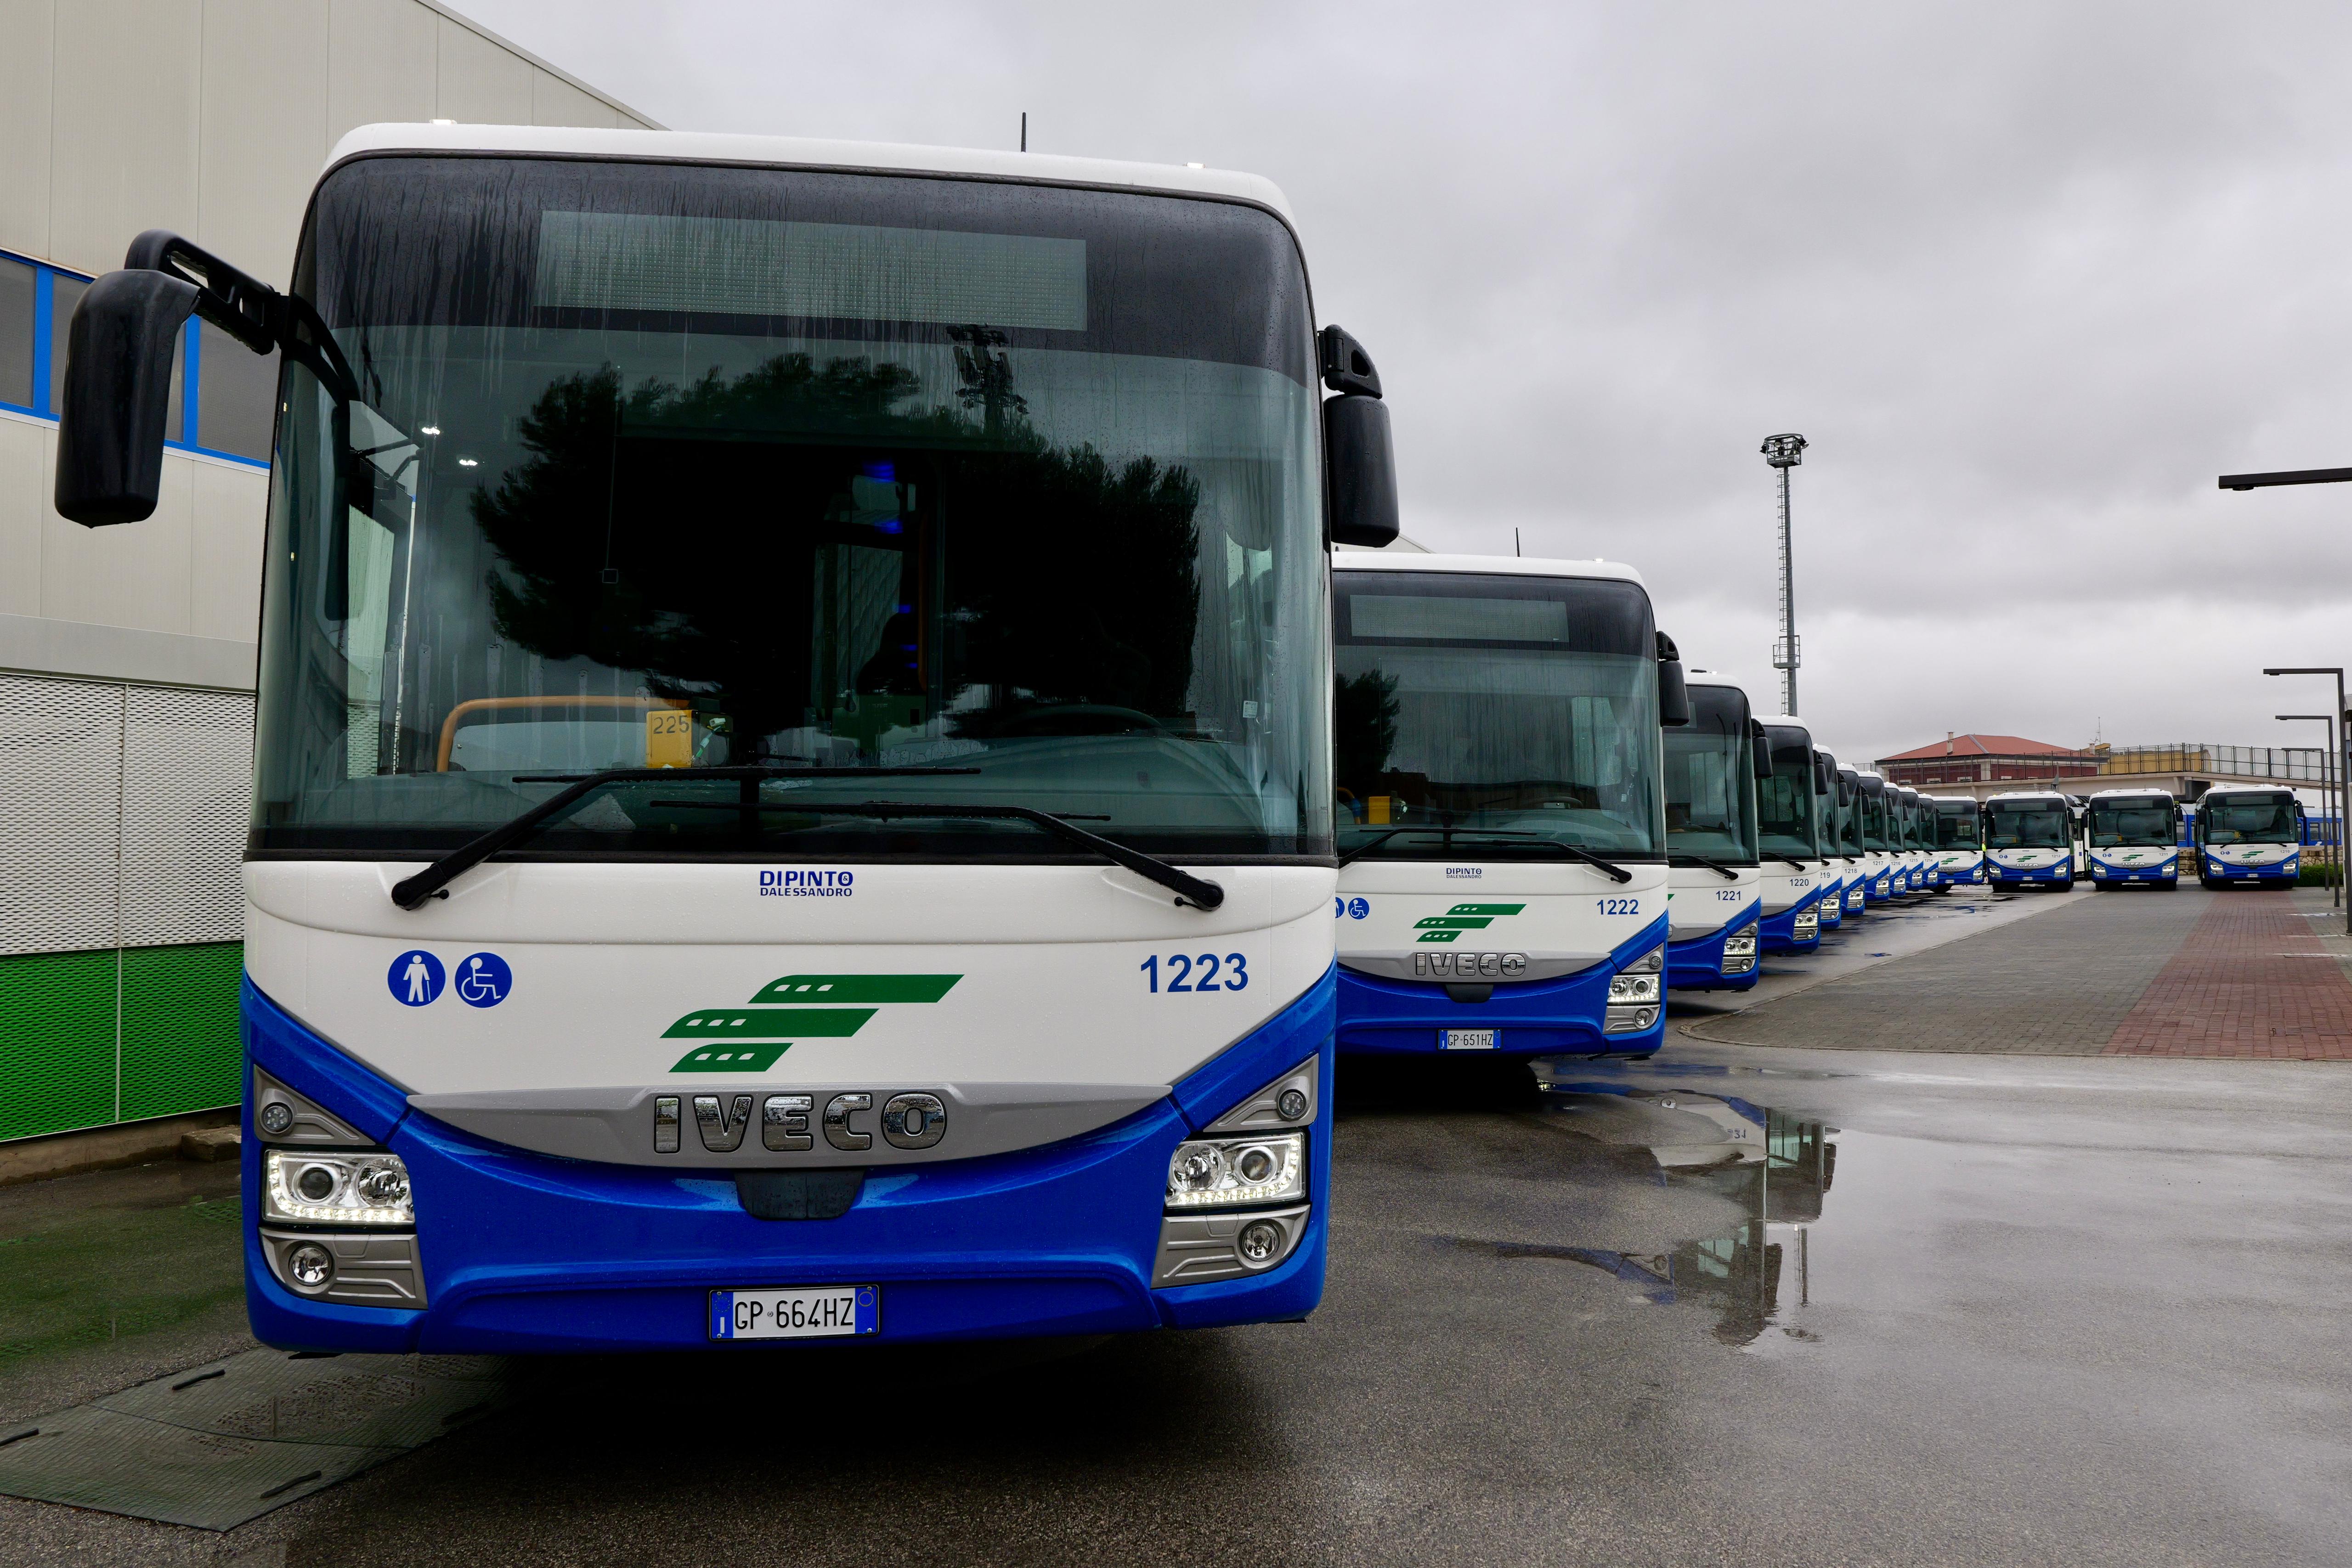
2029	276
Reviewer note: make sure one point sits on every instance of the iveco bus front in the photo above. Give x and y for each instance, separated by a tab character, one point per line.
1856	861
1881	848
1503	841
1959	843
2029	838
792	783
1715	897
2129	835
1792	803
2249	836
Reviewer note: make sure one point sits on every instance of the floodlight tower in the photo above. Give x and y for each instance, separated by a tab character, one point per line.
1784	453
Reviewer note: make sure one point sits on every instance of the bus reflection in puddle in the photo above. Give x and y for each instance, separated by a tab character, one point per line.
1775	1167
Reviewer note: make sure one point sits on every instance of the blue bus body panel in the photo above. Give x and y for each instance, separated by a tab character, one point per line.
2057	870
523	1252
2285	873
1779	932
1535	1017
1697	965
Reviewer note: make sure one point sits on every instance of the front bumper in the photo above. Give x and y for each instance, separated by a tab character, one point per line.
522	1252
1958	876
2286	872
2056	871
2161	870
1701	964
1535	1017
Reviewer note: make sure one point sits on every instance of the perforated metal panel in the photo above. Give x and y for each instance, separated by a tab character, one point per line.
187	790
60	814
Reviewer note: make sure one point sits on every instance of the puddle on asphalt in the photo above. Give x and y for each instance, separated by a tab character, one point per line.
1775	1169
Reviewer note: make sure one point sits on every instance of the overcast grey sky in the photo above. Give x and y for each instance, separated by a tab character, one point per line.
2027	277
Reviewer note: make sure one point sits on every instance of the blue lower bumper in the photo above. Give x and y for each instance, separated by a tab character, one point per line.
1697	965
2123	873
1778	929
1832	904
1945	877
2062	870
1534	1017
2284	874
526	1252
1878	889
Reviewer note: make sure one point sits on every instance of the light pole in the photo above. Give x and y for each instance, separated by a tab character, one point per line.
1784	453
2341	784
2327	770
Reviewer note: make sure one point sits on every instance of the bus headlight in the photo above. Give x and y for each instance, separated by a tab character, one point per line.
1625	988
1231	1173
367	1188
1807	923
1740	944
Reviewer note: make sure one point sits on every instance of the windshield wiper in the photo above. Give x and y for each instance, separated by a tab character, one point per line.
1684	858
413	891
1790	859
1535	840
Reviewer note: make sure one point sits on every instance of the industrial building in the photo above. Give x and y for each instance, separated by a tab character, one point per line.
127	654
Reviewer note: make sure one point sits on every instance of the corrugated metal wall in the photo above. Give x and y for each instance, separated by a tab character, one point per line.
122	917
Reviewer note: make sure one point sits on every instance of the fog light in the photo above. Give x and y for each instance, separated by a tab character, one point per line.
276	1117
1259	1243
311	1264
1291	1104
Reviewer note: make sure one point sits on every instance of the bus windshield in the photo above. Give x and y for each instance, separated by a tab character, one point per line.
2124	822
2249	820
1850	815
669	465
1710	801
1790	818
1523	707
2028	825
1956	828
1876	828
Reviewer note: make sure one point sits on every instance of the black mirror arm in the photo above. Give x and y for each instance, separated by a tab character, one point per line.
248	310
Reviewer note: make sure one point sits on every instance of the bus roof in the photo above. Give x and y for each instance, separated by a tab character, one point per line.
812	152
2135	794
1497	565
1956	804
2025	795
2247	789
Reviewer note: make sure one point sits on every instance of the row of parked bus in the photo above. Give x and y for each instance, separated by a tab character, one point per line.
2234	835
817	774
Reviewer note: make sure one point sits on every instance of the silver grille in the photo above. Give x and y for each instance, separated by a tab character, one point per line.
61	792
187	790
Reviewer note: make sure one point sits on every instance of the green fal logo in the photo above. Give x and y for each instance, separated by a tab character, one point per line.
1463	917
750	1038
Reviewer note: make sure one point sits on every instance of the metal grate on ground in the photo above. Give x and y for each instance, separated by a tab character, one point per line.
217	1445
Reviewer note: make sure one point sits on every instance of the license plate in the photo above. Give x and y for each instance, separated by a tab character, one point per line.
825	1312
1467	1039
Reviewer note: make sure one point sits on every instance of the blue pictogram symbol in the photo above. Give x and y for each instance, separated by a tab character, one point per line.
1358	907
416	978
484	980
1338	909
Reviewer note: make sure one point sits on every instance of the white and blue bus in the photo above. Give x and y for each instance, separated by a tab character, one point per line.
1881	852
1503	878
2132	836
2249	835
1959	843
2029	836
1792	806
1838	871
792	785
1715	892
1909	815
1856	867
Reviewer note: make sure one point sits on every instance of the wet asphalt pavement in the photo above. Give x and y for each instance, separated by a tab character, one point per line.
1738	1305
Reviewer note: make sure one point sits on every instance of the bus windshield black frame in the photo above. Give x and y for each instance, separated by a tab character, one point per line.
1710	783
1958	825
2142	822
2036	824
1791	818
913	489
2270	818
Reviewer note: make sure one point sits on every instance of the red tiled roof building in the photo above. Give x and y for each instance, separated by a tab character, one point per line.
1983	758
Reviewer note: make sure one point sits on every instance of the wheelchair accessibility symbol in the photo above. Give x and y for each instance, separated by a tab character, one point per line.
482	980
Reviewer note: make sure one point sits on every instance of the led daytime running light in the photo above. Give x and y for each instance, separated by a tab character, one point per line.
1208	1173
347	1201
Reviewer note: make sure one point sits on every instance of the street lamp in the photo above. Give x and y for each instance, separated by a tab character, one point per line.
2337	671
1784	453
2336	883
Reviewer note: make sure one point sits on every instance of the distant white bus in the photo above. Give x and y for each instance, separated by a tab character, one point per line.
2029	838
2249	835
2132	836
1960	844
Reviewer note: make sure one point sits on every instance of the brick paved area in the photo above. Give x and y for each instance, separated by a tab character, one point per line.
2057	984
2252	980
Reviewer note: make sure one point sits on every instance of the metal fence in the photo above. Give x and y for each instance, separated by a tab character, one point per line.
2297	764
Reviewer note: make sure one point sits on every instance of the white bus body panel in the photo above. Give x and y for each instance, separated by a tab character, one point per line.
1701	902
1575	915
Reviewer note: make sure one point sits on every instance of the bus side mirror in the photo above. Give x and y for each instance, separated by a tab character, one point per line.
1824	781
1673	692
1763	757
118	393
1358	456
